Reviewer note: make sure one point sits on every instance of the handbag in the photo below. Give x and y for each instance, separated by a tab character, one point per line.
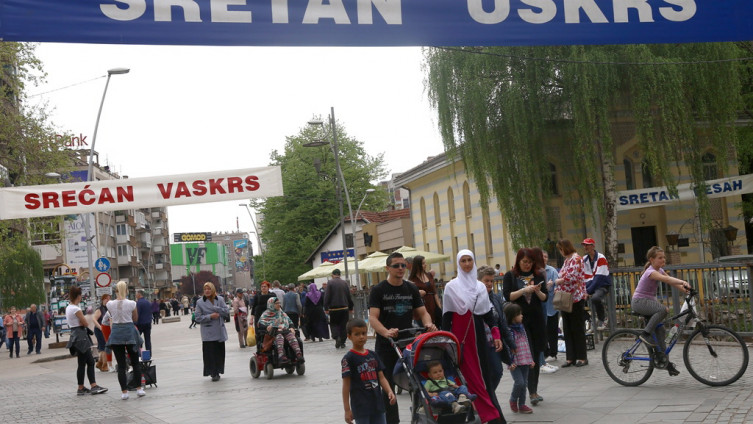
563	301
251	336
267	343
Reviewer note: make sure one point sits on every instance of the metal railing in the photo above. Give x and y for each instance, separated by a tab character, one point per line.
723	294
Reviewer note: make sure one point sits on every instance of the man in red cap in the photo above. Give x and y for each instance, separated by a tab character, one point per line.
596	274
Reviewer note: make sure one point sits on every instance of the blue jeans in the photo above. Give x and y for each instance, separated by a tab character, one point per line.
374	418
446	397
519	385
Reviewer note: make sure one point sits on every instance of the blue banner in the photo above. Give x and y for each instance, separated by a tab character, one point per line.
376	22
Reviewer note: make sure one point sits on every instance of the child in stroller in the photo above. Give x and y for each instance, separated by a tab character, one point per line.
438	352
444	391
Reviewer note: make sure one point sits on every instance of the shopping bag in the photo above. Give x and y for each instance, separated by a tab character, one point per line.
563	301
251	336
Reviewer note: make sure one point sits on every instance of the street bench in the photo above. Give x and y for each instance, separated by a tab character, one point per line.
165	320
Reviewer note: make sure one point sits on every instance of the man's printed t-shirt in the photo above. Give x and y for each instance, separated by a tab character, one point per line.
396	305
365	392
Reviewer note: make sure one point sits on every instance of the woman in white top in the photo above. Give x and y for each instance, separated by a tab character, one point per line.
80	345
124	338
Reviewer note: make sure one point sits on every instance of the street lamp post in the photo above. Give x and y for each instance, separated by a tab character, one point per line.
353	235
341	183
90	171
258	240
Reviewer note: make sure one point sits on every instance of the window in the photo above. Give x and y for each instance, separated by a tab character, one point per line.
423	213
487	231
648	179
553	179
121	229
451	203
629	173
710	171
437	216
467	200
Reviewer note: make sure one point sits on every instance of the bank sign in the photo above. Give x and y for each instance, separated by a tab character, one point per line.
658	196
376	22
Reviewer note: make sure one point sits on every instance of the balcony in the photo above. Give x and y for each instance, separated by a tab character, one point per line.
158	249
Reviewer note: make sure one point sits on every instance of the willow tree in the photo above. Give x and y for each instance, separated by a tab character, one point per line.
507	111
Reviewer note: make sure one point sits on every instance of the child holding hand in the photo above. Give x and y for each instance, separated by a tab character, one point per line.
521	360
363	374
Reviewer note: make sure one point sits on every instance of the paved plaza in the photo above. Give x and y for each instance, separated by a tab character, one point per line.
42	389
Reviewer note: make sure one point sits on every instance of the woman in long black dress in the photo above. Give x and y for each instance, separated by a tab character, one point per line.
316	320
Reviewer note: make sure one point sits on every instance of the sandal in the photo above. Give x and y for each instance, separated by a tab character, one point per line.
567	364
581	363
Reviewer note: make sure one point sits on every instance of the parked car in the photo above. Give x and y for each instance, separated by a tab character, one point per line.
732	283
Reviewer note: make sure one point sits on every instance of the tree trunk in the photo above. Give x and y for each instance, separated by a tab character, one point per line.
610	198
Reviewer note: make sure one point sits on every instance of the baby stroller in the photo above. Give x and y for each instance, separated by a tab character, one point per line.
411	374
265	358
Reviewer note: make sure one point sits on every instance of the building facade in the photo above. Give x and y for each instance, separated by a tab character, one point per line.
447	215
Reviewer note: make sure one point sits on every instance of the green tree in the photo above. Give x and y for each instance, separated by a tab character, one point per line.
500	107
296	223
21	274
28	150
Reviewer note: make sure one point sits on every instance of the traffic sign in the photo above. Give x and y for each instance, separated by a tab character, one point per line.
104	290
103	279
102	264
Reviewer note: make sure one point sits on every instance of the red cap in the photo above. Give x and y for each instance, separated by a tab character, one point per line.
588	241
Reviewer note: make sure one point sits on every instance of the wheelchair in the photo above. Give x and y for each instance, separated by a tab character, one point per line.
268	360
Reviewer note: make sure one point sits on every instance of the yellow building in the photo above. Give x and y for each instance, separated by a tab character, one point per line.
447	215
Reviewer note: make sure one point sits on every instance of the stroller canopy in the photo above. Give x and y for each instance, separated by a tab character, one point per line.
440	346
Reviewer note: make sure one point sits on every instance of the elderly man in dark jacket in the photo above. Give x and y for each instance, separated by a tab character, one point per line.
338	303
35	326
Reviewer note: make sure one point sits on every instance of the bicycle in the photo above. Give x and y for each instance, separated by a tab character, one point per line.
713	354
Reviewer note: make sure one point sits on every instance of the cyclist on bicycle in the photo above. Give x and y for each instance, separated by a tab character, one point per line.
645	302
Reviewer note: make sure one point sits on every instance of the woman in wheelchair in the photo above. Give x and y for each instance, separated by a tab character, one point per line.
278	324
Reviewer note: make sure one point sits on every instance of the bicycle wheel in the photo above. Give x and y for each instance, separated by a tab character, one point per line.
626	359
715	355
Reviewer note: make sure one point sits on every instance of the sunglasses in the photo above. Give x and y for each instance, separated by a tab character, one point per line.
396	266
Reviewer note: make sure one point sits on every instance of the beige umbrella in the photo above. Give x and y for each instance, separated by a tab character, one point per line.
341	266
431	257
322	270
375	262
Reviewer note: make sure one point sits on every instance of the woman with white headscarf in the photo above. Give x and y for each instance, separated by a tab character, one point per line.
466	309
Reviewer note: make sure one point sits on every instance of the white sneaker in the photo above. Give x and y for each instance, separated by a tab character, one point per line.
550	359
124	396
548	369
601	325
141	392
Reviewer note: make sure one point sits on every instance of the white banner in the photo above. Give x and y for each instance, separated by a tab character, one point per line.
136	193
658	196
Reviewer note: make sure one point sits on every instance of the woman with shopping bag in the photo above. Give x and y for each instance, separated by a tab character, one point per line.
571	283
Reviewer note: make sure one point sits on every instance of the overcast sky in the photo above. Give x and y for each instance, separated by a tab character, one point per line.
194	109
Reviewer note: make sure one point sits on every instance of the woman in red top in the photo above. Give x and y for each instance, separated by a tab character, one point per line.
14	327
425	283
571	279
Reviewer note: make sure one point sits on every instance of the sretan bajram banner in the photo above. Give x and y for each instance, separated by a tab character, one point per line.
136	193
